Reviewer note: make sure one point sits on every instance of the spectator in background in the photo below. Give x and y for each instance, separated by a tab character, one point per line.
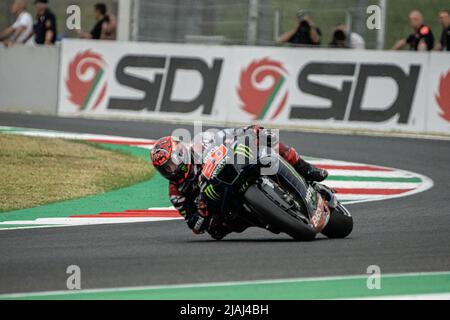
105	28
339	39
354	40
421	39
444	20
304	31
22	28
44	30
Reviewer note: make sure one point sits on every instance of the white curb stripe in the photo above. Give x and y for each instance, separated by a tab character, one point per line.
371	184
366	173
77	136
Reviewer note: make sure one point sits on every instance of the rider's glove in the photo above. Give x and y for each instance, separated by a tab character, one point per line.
199	221
198	224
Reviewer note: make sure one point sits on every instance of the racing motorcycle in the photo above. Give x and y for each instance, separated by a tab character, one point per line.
278	200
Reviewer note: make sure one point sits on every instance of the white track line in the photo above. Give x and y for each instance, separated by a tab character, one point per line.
371	184
214	284
427	296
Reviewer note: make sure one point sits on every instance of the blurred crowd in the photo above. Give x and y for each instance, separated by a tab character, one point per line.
422	37
305	32
43	28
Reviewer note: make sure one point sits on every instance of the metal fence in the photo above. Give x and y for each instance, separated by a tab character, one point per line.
326	14
223	21
240	21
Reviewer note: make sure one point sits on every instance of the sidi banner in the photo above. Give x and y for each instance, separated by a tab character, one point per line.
333	88
438	108
160	81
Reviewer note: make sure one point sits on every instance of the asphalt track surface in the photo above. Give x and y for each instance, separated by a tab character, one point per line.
410	234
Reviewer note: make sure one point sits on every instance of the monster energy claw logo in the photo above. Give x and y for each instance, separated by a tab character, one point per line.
244	150
212	193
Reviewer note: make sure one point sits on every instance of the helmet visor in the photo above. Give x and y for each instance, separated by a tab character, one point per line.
175	166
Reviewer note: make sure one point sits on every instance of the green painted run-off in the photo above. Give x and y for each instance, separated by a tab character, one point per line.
334	288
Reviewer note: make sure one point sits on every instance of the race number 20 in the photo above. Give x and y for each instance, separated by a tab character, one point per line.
213	160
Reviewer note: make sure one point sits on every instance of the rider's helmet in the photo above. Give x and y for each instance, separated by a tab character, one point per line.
171	158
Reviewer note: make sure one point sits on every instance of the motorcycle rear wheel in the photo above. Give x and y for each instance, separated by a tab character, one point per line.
340	224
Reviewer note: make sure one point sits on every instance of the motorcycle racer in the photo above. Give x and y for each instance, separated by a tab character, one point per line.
181	165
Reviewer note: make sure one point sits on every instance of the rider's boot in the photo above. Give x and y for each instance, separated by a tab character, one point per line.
306	170
310	172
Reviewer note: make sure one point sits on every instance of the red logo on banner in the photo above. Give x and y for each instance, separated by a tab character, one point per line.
86	80
261	87
443	96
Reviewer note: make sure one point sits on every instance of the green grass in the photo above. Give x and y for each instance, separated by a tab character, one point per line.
37	171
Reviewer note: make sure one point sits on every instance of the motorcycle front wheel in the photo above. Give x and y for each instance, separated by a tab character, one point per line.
276	216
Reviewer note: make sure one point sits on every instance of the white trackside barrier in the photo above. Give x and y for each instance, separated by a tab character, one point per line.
29	79
326	88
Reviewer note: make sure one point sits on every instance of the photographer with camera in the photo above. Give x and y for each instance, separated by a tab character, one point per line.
339	39
304	32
